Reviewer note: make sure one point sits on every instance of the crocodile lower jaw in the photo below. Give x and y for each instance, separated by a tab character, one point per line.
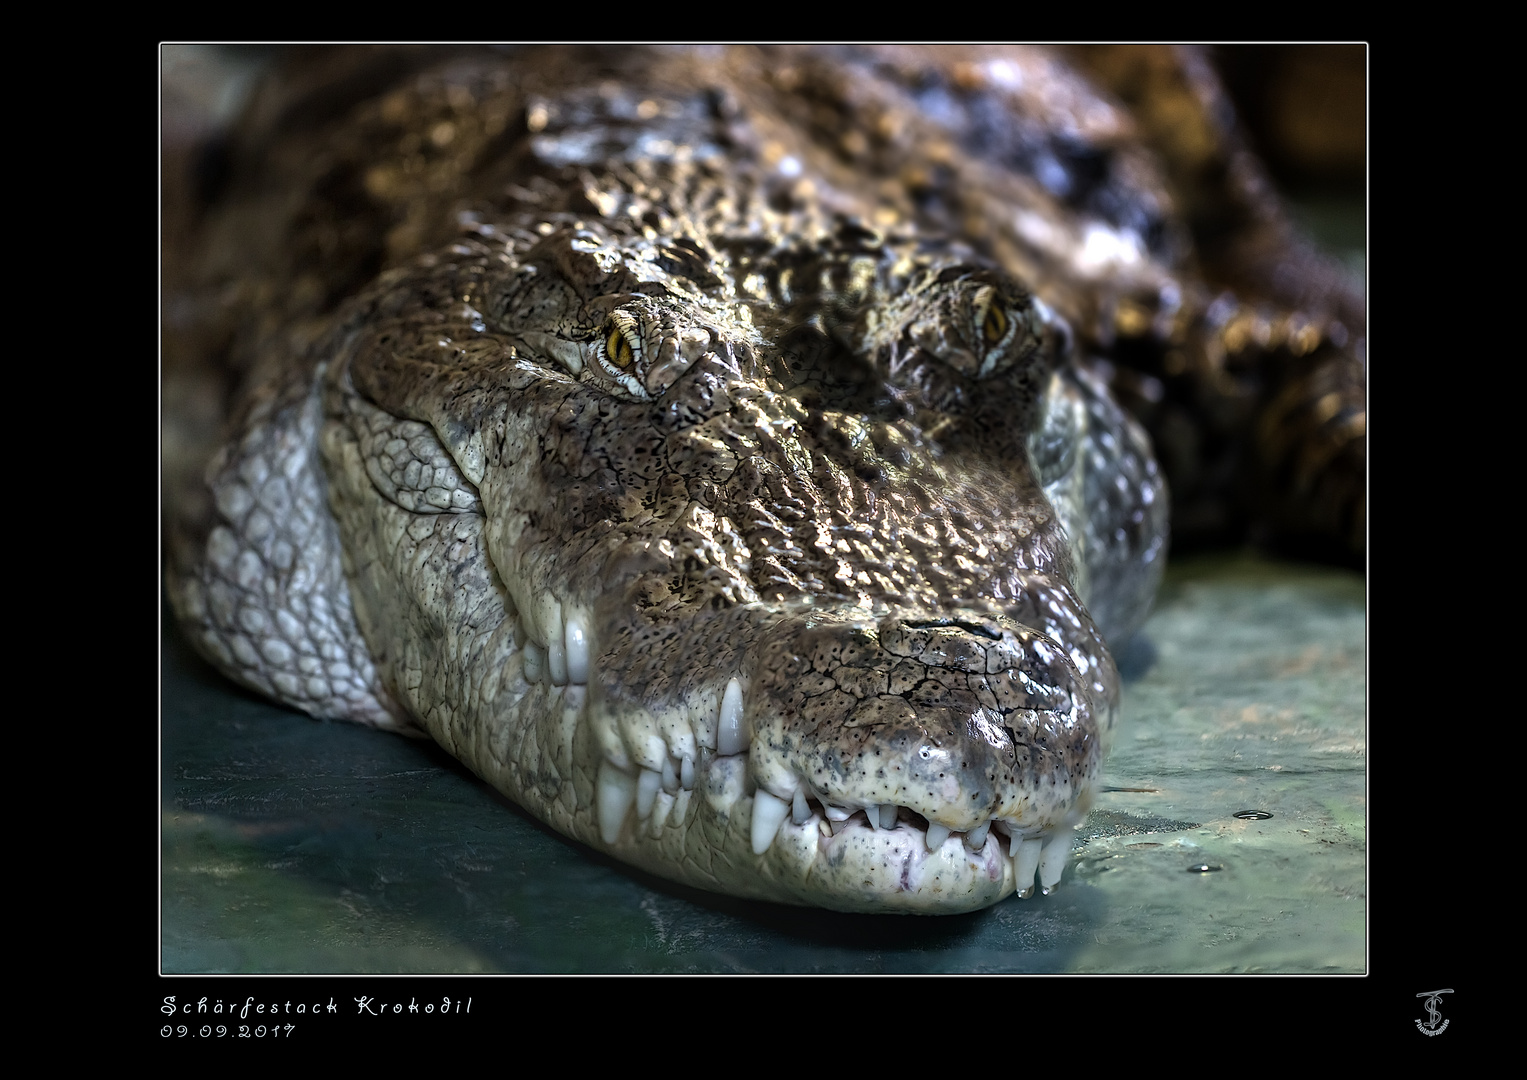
878	858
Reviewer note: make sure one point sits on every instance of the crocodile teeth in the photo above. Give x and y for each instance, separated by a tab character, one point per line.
769	814
800	813
937	834
730	739
1053	861
687	774
680	809
975	839
660	814
576	648
648	784
888	815
617	791
670	776
556	661
1026	857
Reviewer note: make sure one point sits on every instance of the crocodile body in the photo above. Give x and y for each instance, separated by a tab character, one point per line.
713	448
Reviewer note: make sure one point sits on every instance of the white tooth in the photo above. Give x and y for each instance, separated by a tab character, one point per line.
648	784
872	815
556	661
670	777
576	642
836	813
1026	862
800	813
937	834
731	739
660	814
617	791
680	808
768	815
535	663
975	839
1056	851
888	815
687	774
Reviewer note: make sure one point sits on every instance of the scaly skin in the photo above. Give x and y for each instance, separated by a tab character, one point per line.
706	504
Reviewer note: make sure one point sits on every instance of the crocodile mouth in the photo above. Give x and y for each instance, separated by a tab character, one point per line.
872	858
914	764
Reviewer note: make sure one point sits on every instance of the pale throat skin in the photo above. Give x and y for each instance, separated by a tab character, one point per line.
770	552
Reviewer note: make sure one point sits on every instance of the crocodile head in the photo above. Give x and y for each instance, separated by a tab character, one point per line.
762	547
778	609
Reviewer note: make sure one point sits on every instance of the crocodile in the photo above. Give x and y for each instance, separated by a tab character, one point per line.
719	450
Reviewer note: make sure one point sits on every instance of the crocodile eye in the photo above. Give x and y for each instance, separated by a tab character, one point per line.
617	347
643	345
995	323
623	355
990	313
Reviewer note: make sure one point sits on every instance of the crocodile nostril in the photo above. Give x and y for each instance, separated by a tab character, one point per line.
985	630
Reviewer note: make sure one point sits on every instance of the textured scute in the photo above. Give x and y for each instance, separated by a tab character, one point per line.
752	513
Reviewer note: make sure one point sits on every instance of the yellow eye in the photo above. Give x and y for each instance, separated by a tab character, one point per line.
995	324
616	348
